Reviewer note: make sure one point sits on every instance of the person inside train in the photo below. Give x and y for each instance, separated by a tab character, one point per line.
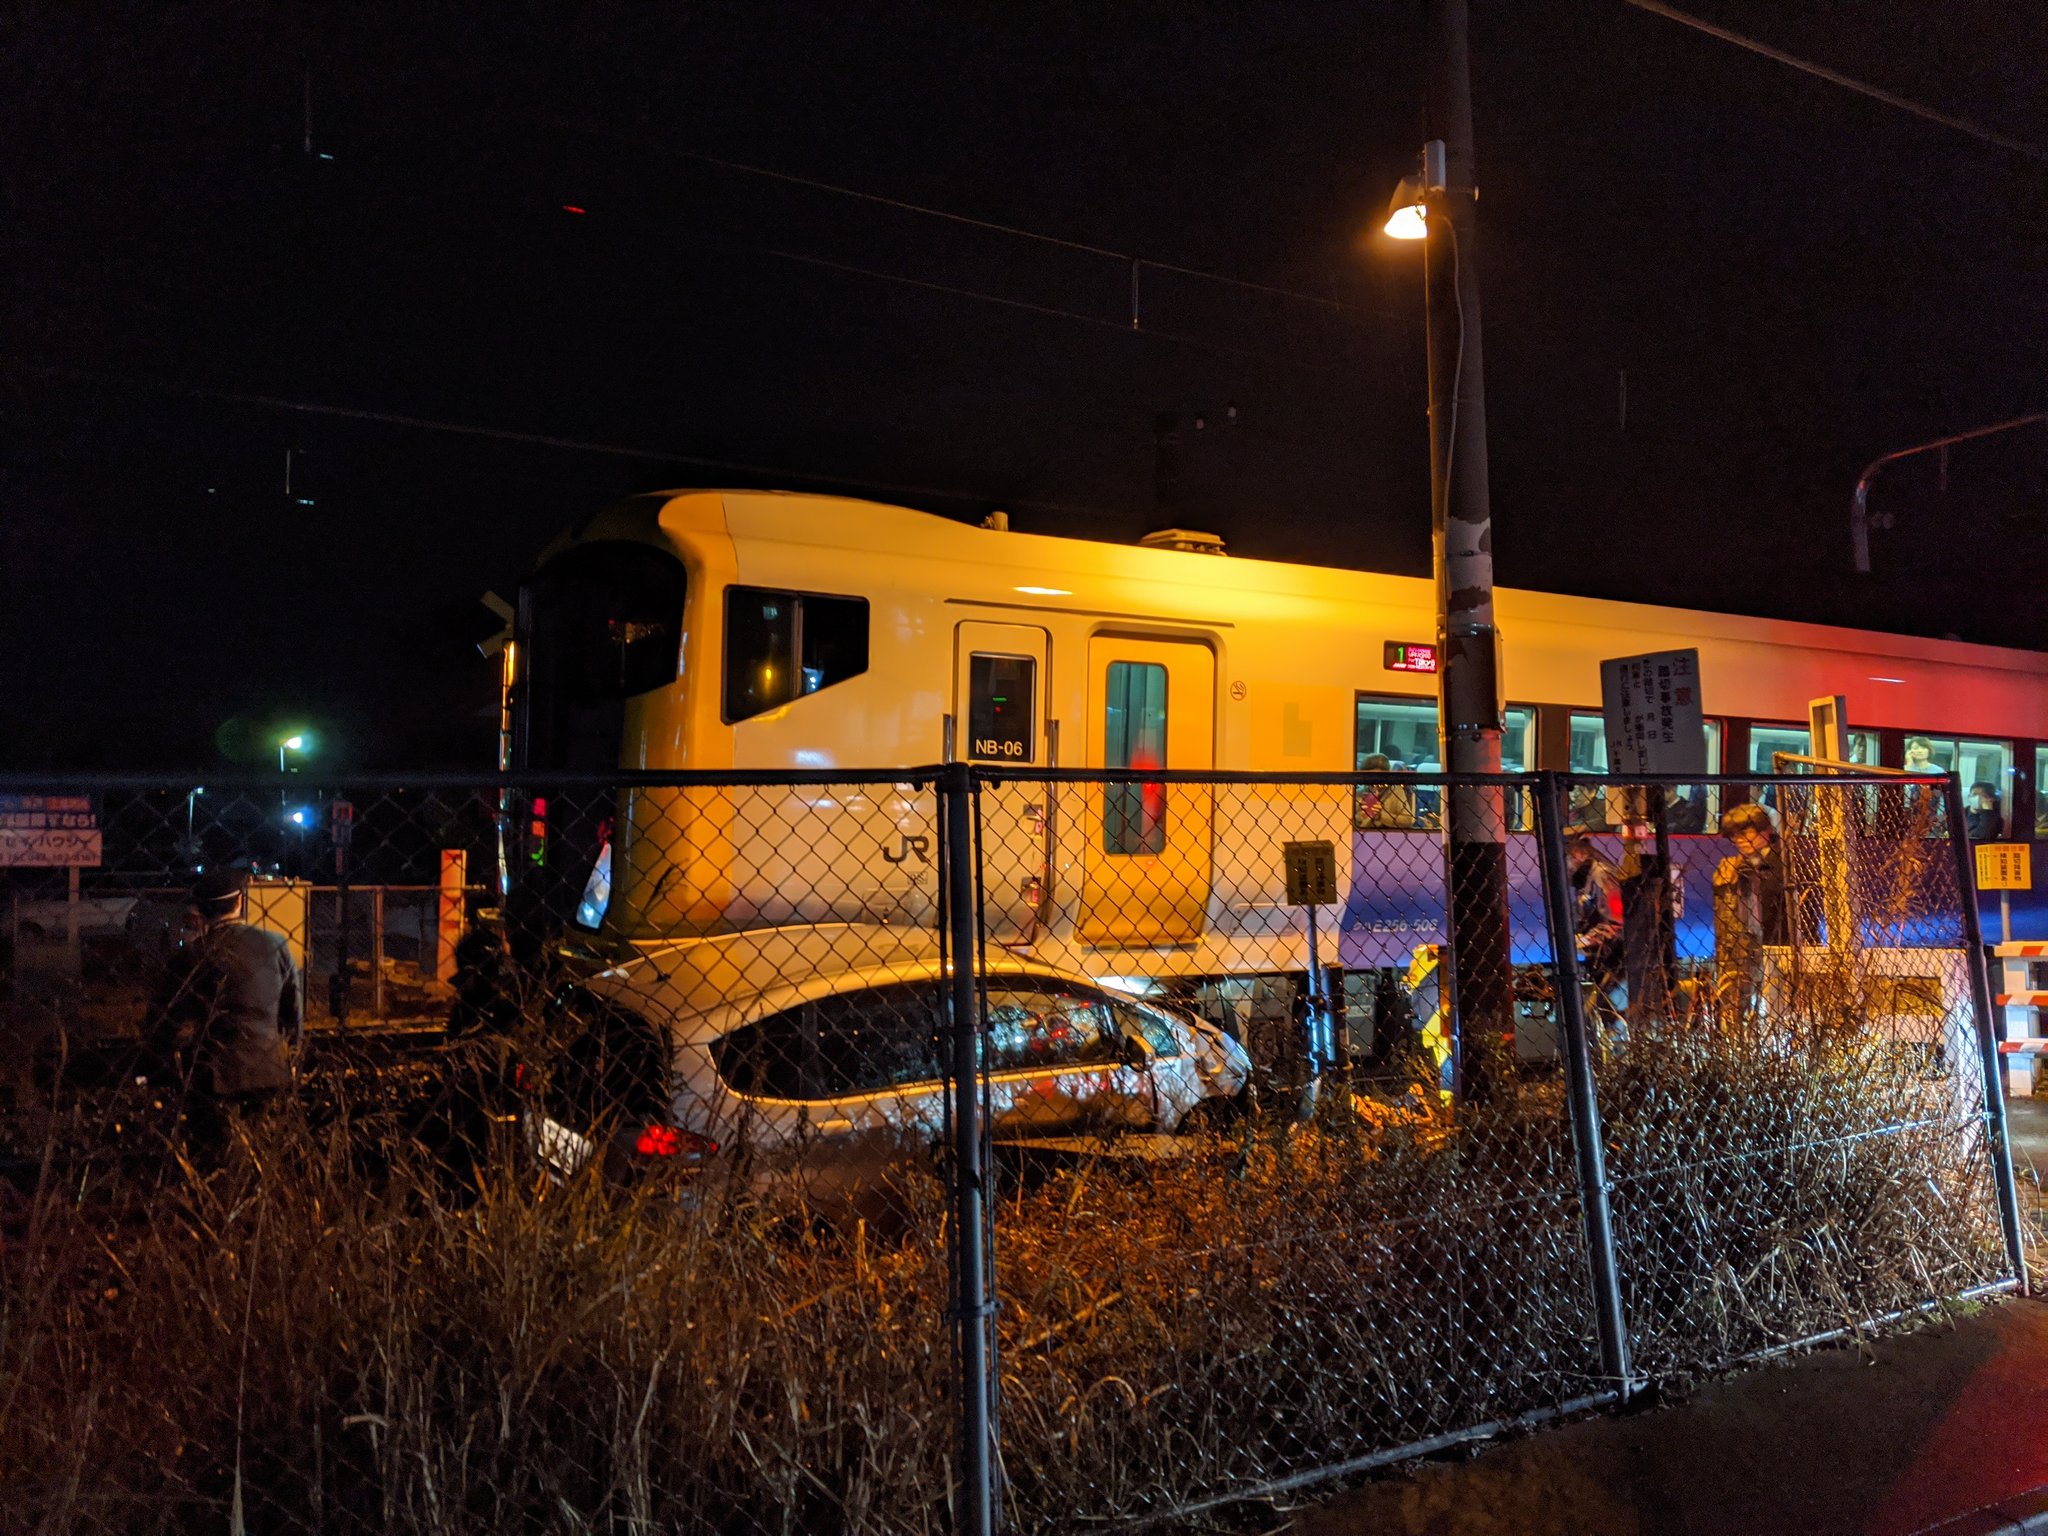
1920	759
1596	913
1985	820
1383	805
1686	811
1589	806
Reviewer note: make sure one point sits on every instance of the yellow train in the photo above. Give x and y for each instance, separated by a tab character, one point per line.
749	630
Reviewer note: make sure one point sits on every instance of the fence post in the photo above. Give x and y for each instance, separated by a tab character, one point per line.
342	820
972	1305
1586	1143
1987	1038
377	1004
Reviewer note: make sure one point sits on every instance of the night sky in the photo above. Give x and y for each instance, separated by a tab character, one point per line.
1793	279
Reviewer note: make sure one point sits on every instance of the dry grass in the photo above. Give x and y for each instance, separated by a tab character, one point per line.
317	1341
328	1354
1770	1189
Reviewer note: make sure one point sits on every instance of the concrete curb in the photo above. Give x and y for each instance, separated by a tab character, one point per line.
2024	1515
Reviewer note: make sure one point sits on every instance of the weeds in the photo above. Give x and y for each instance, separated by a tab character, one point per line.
324	1339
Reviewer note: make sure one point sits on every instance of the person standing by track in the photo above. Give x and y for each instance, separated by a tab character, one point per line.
227	1008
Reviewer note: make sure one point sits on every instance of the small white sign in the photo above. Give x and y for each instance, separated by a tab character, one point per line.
1654	724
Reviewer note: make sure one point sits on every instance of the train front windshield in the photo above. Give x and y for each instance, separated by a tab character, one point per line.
598	626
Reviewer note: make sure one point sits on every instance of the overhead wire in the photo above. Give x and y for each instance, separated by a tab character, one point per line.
1975	130
1135	262
19	365
947	215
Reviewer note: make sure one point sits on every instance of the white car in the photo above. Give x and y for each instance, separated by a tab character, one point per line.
42	918
827	1043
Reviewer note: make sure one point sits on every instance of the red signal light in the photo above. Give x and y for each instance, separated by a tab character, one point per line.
572	208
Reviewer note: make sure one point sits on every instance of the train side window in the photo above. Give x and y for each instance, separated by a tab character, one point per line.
1134	736
1589	743
1697	807
1403	731
780	646
1976	763
1766	741
1688	807
1002	698
1517	740
1517	752
2040	800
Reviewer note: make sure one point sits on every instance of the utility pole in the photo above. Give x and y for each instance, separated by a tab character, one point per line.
1461	529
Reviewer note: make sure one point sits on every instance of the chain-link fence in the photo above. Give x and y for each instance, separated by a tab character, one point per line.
1794	1073
948	1150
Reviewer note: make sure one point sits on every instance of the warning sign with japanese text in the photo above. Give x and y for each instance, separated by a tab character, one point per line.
2005	866
1652	705
49	831
1311	873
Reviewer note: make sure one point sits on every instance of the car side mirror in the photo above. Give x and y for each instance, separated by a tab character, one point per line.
1136	1051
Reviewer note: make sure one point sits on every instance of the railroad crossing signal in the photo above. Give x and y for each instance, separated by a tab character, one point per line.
1311	873
2004	866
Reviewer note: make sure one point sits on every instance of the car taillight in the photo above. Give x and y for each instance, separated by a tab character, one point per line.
667	1141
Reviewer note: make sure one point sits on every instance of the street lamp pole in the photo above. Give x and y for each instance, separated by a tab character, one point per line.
296	742
1461	536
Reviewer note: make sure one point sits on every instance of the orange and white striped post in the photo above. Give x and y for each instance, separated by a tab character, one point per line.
453	914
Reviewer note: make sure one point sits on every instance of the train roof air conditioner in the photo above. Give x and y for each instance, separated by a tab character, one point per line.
1188	539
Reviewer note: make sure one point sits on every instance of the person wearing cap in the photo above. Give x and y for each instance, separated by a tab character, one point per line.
1596	910
229	1002
1749	903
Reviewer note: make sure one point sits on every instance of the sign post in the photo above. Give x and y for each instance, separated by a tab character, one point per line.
1827	734
2005	868
1312	882
1654	726
53	832
1827	727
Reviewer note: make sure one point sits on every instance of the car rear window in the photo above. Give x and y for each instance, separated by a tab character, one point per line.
839	1046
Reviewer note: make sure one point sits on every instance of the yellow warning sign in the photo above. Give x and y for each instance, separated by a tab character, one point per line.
1311	873
2005	866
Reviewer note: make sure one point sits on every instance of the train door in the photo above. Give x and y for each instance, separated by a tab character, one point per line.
1146	847
999	721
